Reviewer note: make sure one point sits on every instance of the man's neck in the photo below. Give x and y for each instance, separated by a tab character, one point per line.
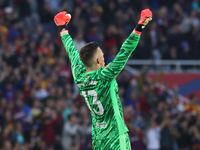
92	69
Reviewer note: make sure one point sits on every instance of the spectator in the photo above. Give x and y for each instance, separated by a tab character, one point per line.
71	137
153	134
78	41
7	145
17	136
184	136
51	122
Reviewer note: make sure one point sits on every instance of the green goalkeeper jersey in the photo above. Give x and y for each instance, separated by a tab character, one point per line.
100	90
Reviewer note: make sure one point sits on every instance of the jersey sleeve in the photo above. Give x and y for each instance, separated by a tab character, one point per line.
76	64
115	67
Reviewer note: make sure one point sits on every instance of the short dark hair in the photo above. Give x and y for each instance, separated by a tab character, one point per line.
87	52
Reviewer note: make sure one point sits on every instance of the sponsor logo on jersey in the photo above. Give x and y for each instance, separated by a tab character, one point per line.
101	125
91	82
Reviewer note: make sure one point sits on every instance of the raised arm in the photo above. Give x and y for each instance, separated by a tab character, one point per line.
116	66
76	64
61	20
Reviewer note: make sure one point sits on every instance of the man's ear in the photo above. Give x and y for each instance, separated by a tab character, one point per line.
98	60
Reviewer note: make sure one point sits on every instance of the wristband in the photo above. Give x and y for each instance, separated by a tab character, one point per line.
137	32
139	27
63	27
64	31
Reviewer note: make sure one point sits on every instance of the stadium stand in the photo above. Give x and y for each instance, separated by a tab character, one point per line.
40	107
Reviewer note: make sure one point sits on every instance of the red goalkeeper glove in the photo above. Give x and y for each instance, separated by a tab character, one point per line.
62	19
145	17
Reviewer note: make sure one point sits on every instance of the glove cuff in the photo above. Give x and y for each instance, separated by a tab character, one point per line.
64	31
139	28
137	32
63	27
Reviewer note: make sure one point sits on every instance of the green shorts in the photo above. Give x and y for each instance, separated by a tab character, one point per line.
121	142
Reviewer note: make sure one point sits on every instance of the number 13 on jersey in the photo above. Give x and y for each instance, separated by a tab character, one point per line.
94	102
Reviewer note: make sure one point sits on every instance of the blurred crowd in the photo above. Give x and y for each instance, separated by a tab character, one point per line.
40	106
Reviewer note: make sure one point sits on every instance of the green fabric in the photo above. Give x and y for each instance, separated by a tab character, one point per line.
100	90
118	112
121	142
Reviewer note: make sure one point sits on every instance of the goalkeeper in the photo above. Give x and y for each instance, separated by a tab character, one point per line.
97	84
